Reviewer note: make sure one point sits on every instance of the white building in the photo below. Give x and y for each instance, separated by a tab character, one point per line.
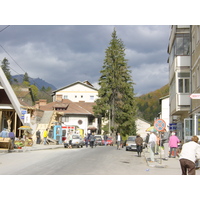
179	75
164	101
75	92
141	127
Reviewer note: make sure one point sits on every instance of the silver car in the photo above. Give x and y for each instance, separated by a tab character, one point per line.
130	143
77	141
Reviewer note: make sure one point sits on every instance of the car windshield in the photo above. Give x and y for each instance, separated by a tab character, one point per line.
75	137
131	138
98	137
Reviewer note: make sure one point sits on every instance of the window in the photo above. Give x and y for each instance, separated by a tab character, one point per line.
91	98
65	97
184	82
180	85
65	119
182	45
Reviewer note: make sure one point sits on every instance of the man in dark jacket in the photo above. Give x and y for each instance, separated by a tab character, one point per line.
139	143
38	137
92	140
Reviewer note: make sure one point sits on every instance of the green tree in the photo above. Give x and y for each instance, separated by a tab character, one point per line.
5	67
34	92
116	101
26	78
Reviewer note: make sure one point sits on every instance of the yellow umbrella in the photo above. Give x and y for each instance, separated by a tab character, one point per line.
25	128
151	129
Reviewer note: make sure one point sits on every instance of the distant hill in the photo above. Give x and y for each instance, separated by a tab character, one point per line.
34	81
148	104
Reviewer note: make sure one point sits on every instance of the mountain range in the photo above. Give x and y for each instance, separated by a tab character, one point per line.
34	81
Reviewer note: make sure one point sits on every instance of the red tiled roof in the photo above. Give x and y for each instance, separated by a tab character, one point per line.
71	107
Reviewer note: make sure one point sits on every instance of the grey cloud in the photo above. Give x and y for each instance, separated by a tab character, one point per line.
64	54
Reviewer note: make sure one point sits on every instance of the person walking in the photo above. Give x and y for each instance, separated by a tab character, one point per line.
105	139
70	140
86	140
189	154
11	135
139	143
38	137
173	144
45	134
157	144
119	139
92	140
165	143
152	143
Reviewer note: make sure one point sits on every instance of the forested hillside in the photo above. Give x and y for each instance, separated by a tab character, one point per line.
148	104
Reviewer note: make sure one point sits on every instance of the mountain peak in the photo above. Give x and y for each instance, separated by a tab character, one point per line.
34	81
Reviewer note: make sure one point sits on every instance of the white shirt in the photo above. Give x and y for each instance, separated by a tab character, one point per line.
152	138
190	151
118	138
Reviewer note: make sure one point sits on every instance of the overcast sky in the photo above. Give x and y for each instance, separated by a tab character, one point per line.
64	54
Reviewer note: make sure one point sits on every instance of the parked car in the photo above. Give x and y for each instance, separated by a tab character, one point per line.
98	140
109	141
130	143
77	141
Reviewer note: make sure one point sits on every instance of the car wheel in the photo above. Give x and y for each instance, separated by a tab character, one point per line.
126	149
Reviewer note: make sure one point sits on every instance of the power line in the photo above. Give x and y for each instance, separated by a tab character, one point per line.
20	68
4	28
12	58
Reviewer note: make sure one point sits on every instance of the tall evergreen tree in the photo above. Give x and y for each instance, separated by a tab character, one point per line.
5	67
26	78
116	100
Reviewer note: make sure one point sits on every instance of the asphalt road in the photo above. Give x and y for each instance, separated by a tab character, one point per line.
82	161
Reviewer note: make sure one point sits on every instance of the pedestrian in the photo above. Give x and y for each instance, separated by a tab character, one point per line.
105	139
45	134
4	133
157	144
86	140
11	135
165	142
70	140
119	139
189	154
139	143
173	144
152	143
92	140
38	137
147	140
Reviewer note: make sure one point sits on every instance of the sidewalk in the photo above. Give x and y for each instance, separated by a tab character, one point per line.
35	147
159	162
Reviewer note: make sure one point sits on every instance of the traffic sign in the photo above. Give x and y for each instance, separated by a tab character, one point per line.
159	125
195	96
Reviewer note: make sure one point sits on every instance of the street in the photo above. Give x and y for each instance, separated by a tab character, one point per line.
100	160
77	161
